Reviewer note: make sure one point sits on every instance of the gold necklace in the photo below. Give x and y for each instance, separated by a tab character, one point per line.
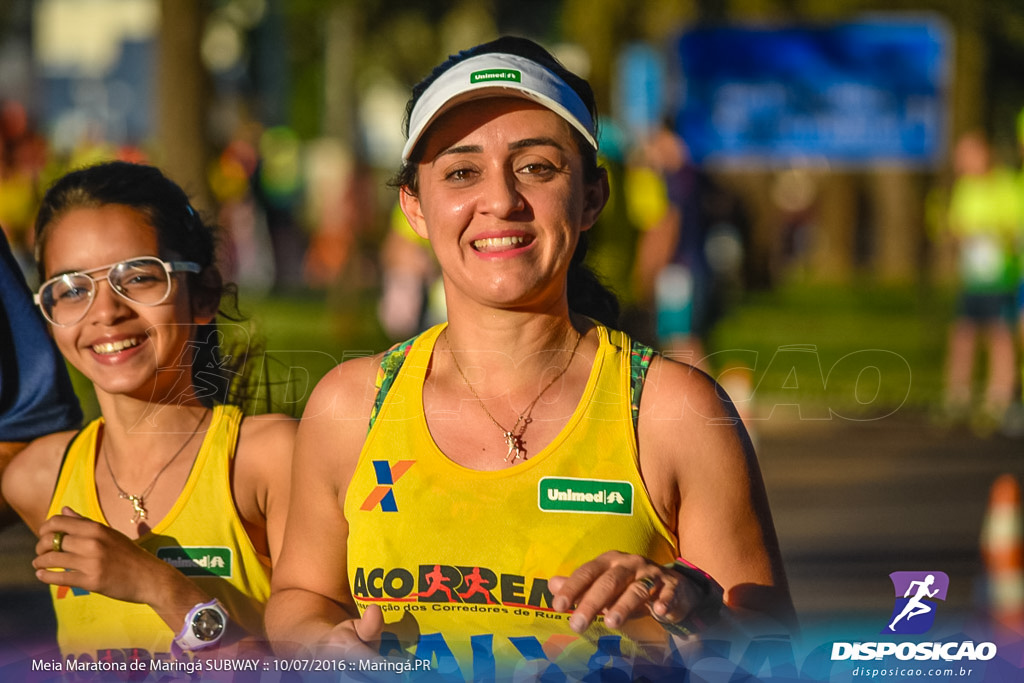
513	437
138	502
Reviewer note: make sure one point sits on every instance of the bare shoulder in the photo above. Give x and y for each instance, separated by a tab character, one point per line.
268	432
347	392
39	460
31	476
688	431
265	442
335	422
678	391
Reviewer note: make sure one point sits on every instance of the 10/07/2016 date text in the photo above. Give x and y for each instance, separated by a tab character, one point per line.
397	666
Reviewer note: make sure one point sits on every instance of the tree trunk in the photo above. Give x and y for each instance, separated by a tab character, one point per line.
898	224
832	243
182	96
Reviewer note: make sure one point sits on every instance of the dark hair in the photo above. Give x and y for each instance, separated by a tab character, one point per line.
218	377
587	295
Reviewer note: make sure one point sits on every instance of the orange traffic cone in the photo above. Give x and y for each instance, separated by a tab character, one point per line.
1002	549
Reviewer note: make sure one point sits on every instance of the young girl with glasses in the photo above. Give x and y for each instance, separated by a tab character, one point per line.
159	521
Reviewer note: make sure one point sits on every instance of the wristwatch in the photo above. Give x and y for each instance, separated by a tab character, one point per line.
204	626
707	611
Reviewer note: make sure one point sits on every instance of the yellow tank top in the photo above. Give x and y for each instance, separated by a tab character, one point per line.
202	536
985	215
459	559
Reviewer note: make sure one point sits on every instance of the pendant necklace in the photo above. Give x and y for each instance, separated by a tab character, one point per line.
514	436
138	502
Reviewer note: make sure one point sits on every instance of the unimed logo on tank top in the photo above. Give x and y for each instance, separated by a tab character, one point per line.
589	496
196	560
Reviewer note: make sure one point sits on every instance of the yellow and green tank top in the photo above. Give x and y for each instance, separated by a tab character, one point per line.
202	536
459	559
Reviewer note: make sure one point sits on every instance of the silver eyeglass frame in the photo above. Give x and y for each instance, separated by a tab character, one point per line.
168	266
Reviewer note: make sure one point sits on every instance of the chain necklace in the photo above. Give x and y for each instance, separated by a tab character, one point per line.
138	502
513	437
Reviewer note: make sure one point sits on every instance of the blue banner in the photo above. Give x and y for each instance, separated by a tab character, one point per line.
639	89
853	94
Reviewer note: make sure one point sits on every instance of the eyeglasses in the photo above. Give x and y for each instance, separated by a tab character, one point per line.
65	299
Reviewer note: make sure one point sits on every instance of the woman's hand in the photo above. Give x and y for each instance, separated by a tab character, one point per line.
97	558
358	638
621	587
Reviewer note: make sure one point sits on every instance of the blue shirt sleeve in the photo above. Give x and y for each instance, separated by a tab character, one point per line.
36	396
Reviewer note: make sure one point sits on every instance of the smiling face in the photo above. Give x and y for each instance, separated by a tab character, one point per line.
120	345
502	199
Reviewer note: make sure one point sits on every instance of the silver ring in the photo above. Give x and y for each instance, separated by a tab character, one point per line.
58	541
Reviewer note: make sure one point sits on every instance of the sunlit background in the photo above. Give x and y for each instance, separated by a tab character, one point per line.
824	127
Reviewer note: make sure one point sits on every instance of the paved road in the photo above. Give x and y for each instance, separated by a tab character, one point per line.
854	501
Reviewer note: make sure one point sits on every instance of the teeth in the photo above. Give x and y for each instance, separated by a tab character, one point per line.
114	347
499	242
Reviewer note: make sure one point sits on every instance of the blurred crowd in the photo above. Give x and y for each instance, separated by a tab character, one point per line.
288	209
673	243
311	215
28	165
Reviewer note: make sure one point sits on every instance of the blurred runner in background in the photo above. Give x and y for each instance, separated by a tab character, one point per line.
984	225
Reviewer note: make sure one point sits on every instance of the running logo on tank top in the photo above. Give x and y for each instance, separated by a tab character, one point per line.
453	585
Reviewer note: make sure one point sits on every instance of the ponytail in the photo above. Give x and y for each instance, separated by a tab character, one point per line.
587	294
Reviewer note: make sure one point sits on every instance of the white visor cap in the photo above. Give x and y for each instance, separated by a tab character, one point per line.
496	75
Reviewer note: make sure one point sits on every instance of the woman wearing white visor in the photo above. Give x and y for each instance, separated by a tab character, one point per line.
524	489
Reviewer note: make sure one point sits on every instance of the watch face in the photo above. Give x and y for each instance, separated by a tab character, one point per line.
208	624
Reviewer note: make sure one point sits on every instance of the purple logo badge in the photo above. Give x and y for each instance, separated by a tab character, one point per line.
916	593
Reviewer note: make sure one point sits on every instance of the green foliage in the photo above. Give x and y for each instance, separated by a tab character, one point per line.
305	337
855	351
